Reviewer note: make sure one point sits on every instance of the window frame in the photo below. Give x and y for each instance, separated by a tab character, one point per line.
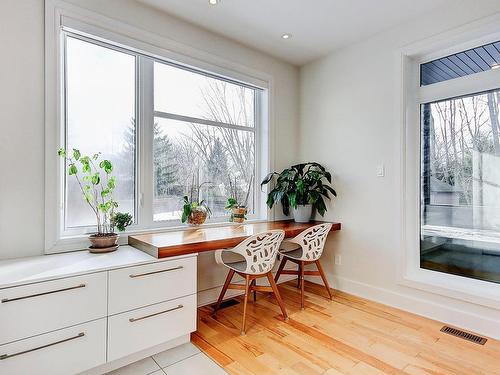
62	20
413	95
85	229
183	118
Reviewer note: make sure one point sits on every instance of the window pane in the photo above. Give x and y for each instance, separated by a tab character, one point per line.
475	60
460	199
184	152
185	93
100	108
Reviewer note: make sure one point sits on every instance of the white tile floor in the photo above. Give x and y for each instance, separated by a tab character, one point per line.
186	359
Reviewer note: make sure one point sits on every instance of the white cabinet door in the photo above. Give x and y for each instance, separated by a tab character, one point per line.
38	308
64	352
134	287
143	328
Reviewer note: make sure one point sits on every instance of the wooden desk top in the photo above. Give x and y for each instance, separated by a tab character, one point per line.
195	240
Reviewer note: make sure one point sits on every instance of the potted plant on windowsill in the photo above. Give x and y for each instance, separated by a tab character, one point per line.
96	183
195	210
238	210
301	187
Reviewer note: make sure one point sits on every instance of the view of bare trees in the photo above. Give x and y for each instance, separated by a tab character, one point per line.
461	162
228	105
214	154
460	131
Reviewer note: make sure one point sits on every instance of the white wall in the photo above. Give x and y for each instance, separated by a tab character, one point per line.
350	122
22	104
22	128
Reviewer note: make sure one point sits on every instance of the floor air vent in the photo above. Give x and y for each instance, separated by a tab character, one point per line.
464	335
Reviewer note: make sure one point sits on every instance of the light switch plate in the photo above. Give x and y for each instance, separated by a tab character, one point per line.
380	170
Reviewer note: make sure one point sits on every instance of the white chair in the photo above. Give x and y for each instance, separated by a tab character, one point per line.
304	249
258	255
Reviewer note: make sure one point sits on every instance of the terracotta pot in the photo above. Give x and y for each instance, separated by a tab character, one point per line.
198	216
238	214
103	241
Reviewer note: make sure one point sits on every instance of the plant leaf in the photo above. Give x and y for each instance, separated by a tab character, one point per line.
96	179
112	182
76	154
320	206
72	170
268	178
106	165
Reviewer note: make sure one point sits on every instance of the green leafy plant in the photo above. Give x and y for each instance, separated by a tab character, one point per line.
233	200
193	202
190	206
301	184
121	220
96	183
237	208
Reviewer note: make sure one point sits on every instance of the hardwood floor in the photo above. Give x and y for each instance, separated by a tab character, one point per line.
348	335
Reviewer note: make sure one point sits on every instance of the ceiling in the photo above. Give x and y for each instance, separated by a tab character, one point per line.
317	26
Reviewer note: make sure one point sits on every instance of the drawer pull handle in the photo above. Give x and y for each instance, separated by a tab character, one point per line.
155	272
131	320
5	300
7	356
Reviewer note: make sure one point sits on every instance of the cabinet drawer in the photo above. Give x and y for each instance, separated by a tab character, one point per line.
67	351
38	308
134	287
140	329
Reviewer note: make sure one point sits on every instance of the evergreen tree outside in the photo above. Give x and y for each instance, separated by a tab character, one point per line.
217	166
217	172
165	166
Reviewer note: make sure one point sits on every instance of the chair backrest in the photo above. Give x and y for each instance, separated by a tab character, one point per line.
312	241
260	251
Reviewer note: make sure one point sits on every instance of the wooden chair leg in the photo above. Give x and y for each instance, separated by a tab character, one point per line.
299	272
254	282
323	276
223	291
301	278
245	300
280	268
277	295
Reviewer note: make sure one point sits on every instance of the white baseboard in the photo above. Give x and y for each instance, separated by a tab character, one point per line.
209	296
443	313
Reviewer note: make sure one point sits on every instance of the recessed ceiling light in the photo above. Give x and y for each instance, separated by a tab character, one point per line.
286	36
495	66
213	2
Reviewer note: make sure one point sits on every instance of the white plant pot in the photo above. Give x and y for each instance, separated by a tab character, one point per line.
303	213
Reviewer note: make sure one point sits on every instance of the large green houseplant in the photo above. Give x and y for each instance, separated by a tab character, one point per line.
96	182
300	187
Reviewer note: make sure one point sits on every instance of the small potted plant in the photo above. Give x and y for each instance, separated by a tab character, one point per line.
238	210
121	220
96	183
194	210
301	187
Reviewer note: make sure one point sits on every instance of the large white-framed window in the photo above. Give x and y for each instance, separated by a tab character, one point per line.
450	115
167	121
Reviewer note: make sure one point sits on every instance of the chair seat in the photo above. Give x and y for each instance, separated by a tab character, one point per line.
237	266
291	250
294	254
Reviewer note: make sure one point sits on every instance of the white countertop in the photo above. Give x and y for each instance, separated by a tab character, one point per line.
15	272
